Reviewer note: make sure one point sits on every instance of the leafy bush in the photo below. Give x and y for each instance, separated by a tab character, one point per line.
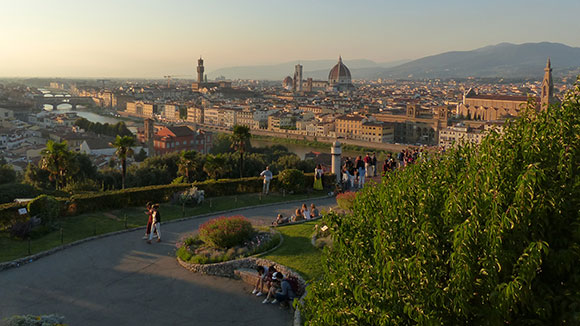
226	232
482	235
11	191
345	200
192	196
194	250
45	207
292	180
9	214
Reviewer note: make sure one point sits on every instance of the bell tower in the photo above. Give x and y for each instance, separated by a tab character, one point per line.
547	86
200	70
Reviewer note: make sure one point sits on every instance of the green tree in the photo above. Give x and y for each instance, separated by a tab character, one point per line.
222	143
215	166
482	235
56	159
7	174
189	163
240	139
124	150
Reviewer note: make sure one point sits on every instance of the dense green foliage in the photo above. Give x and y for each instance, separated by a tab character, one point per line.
118	129
226	232
292	180
11	191
44	207
483	235
7	174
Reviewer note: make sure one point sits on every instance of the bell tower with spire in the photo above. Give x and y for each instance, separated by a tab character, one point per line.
547	86
200	70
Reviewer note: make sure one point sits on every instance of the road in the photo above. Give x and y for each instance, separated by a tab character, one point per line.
121	280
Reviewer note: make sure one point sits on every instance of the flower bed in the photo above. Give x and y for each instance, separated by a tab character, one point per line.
346	200
224	239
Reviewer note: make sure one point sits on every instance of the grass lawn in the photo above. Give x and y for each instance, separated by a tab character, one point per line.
297	252
90	224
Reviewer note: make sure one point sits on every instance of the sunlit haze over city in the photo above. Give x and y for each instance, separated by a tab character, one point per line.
146	38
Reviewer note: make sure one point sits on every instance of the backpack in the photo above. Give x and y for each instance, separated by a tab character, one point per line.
295	285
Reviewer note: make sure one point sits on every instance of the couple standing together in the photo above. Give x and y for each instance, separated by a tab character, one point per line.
153	223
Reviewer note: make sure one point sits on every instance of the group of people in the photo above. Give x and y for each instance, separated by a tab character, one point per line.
153	222
354	173
278	289
300	214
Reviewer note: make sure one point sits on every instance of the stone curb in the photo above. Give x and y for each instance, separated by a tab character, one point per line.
28	259
226	269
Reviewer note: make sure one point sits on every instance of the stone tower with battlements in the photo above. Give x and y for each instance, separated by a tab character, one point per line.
200	70
547	87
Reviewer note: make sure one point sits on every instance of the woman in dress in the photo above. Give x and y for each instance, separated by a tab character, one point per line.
318	173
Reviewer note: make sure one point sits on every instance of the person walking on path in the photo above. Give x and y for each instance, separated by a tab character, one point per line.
149	212
318	173
155	226
267	174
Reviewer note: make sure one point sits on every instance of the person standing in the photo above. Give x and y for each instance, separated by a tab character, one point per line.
360	167
368	165
374	164
318	173
155	226
267	174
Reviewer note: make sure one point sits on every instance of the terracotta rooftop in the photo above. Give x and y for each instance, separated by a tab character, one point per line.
502	97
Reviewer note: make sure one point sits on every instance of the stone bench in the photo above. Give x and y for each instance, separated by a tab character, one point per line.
247	275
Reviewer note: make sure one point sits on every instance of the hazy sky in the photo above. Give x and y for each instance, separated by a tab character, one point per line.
152	38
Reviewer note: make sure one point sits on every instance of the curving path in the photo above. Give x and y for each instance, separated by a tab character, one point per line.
121	280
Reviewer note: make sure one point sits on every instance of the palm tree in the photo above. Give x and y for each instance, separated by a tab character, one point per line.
56	159
215	166
240	139
188	162
124	150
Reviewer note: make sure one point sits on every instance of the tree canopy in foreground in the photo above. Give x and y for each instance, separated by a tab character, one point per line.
482	235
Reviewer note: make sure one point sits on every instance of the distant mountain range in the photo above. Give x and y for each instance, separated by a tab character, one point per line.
317	69
504	60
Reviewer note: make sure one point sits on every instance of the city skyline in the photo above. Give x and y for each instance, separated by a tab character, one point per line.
147	39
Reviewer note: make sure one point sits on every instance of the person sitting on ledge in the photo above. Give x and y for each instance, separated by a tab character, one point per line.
305	212
280	219
314	211
297	216
283	293
263	278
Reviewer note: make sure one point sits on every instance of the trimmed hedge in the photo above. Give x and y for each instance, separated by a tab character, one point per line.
84	203
9	214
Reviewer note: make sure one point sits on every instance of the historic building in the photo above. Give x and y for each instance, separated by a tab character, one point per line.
168	139
500	107
339	78
416	125
297	81
202	79
357	127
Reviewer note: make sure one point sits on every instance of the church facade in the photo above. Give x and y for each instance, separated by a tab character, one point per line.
500	107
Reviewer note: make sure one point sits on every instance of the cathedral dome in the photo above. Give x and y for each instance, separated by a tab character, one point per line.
339	74
287	82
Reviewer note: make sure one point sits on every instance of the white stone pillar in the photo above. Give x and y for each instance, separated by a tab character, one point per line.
336	152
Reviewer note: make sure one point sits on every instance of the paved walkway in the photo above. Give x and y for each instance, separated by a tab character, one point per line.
121	280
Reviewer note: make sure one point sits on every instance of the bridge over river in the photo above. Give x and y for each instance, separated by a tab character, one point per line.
57	100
